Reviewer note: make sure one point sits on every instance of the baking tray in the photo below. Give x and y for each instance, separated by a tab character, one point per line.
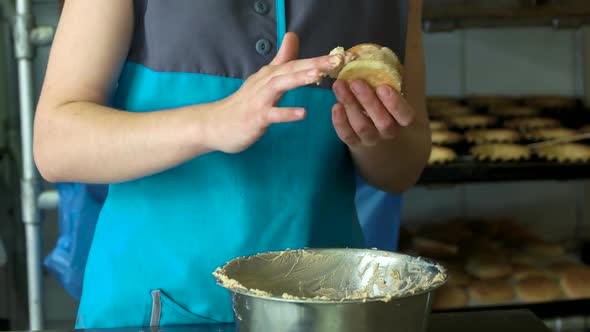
561	307
467	169
490	237
545	310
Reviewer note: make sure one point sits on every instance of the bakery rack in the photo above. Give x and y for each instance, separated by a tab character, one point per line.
448	15
546	310
477	249
467	169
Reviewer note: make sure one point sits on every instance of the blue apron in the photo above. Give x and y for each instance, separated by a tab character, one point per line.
158	239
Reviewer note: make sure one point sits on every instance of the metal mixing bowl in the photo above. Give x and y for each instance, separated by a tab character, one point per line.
325	290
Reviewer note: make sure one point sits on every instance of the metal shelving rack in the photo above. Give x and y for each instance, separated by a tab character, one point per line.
449	15
27	36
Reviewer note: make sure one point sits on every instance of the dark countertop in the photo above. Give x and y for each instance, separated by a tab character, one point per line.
484	321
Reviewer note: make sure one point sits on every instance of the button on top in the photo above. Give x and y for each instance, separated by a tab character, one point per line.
263	46
261	7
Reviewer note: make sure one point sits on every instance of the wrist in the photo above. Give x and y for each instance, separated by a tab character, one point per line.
203	127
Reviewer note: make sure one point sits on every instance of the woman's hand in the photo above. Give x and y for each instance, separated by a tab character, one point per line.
242	118
365	117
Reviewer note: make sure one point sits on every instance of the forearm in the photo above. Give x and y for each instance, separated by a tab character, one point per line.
395	165
86	142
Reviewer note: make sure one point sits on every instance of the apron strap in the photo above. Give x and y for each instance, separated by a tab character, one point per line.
281	22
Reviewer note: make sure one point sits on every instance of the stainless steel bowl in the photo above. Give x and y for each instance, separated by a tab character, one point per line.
324	290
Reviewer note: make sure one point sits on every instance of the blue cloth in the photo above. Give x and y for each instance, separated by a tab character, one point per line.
168	232
159	238
78	210
380	216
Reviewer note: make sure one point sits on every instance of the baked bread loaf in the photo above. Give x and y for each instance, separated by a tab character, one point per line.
560	266
499	135
523	258
549	133
544	249
438	125
563	153
458	277
575	282
443	137
493	291
524	271
450	297
375	64
538	288
488	267
433	249
441	155
472	121
500	152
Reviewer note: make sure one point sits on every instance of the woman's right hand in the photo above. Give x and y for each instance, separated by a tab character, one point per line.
242	118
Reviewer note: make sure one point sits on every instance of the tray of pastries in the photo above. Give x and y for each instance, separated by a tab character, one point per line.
499	132
494	263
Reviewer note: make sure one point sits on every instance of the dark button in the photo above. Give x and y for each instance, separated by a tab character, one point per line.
261	7
263	46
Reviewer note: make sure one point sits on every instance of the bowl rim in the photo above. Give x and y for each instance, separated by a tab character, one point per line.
385	299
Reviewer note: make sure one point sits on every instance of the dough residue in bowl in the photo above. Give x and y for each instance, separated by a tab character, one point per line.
331	275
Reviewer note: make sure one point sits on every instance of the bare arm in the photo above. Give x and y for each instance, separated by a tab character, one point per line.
391	151
77	138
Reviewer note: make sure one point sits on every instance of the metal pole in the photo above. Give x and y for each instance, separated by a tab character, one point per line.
30	214
579	235
586	63
48	200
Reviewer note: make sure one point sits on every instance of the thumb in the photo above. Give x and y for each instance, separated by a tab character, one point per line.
289	49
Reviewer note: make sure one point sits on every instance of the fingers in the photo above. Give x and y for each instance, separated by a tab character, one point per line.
283	83
396	106
324	64
286	61
382	119
342	125
361	123
282	114
289	49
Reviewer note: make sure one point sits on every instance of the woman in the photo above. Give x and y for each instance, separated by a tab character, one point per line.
199	116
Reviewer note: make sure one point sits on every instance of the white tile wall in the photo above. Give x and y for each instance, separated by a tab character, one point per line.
504	61
527	61
445	66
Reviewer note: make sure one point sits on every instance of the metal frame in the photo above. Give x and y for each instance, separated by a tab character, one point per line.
585	40
26	37
30	216
448	15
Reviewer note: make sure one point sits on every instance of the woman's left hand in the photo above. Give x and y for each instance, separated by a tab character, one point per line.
364	116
